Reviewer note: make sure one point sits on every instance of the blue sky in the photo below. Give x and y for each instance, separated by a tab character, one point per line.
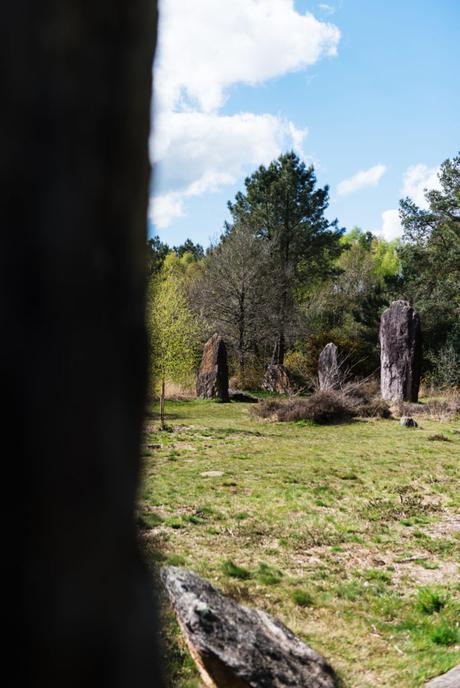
367	90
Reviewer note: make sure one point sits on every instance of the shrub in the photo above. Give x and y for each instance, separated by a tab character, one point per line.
435	409
321	408
268	407
325	407
446	367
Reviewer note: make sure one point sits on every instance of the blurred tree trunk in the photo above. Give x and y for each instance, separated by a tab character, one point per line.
74	180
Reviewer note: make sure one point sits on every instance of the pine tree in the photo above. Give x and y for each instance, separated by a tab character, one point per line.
282	205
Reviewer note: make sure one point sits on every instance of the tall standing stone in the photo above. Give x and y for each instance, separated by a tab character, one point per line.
212	379
400	352
328	368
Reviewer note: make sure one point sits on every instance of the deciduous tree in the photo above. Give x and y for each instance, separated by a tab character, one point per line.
173	330
234	292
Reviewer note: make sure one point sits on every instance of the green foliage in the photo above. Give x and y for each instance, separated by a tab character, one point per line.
445	365
195	250
430	256
156	253
346	309
172	327
282	206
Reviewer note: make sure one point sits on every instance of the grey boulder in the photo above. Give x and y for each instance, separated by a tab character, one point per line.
449	680
238	647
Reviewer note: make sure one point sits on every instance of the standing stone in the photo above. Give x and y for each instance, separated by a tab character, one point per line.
400	352
212	379
328	368
277	379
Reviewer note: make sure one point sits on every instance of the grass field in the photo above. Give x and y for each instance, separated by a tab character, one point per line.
350	534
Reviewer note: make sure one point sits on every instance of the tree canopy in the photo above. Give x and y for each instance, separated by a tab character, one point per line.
282	206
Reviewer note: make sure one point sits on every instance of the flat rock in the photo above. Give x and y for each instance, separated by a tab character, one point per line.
212	474
238	647
449	680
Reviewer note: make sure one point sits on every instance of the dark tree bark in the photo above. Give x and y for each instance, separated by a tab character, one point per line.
74	179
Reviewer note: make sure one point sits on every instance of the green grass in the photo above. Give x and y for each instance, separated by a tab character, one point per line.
430	600
233	571
345	533
302	598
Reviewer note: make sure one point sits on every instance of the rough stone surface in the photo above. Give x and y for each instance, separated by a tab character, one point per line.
238	395
328	368
237	647
400	352
449	680
277	379
408	422
212	379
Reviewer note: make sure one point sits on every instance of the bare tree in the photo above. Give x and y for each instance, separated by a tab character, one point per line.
234	291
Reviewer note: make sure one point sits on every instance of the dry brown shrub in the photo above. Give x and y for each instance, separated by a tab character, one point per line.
321	408
327	406
268	407
434	409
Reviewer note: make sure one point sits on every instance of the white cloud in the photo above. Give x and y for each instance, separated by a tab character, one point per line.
417	180
327	9
201	152
206	46
361	179
203	50
391	225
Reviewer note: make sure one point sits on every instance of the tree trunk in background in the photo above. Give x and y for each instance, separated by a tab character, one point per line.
75	176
